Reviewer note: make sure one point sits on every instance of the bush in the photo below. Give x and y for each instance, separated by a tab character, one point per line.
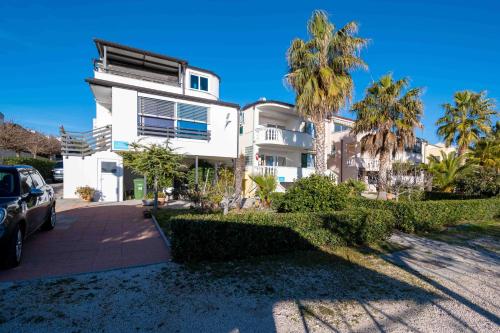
313	194
44	166
354	187
449	196
425	216
196	237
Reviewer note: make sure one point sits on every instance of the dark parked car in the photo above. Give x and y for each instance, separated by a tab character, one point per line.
58	172
27	203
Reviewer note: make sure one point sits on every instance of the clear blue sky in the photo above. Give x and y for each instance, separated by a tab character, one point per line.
46	49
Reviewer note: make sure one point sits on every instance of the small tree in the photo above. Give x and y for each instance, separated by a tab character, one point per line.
36	143
13	137
266	185
158	163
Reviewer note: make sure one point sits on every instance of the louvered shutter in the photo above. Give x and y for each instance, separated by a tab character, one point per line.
156	107
192	112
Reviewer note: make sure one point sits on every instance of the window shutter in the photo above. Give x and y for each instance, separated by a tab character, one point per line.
192	112
156	107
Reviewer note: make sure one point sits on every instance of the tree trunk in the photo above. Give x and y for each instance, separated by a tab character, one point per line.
319	141
384	162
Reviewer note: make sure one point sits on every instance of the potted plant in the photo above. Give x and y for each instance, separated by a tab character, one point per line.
148	199
85	192
161	198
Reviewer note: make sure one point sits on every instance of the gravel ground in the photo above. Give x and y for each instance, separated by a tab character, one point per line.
429	287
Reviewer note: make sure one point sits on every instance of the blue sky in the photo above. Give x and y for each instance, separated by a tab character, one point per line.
46	48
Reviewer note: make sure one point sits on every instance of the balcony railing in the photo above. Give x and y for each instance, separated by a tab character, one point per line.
137	74
369	164
173	132
277	136
85	143
282	173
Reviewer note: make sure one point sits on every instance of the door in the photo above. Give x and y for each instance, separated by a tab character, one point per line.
108	181
42	202
29	203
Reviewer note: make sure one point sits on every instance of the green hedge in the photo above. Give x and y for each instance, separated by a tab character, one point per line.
196	237
424	216
44	166
450	196
313	194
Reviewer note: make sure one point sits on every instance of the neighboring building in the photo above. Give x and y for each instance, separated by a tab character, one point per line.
151	97
347	161
436	149
275	140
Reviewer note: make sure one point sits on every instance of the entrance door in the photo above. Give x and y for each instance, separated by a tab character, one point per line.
109	185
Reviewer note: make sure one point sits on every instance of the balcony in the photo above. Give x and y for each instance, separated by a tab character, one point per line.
85	143
283	173
280	137
369	164
173	132
138	74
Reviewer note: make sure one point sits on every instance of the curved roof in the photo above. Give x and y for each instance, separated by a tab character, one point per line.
269	101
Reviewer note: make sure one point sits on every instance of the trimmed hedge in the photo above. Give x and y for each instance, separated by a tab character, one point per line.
450	196
236	236
425	216
313	194
44	166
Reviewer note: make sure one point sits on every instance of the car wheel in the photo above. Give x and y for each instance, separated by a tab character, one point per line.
15	250
50	221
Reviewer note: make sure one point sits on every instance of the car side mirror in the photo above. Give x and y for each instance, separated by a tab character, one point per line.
35	192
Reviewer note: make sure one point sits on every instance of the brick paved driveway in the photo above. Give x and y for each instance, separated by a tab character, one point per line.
90	237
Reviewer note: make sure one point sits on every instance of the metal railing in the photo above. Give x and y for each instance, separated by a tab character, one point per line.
280	136
263	170
173	132
85	143
136	74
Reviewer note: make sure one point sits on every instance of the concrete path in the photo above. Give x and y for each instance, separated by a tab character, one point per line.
88	238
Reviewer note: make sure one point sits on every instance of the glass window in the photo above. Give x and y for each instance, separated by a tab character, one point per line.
307	160
340	128
203	83
108	167
195	82
59	165
37	179
26	182
7	184
280	161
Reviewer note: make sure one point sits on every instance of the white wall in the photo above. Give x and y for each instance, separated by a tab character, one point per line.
213	85
103	115
85	172
124	115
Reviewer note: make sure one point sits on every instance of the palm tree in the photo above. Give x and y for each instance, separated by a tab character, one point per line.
446	170
486	152
319	72
388	117
266	185
465	121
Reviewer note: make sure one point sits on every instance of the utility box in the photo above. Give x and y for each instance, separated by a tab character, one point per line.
139	188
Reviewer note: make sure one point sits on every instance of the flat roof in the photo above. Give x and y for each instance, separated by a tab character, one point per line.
106	83
100	43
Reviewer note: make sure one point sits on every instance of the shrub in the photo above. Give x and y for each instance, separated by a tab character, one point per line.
44	166
449	196
313	194
424	216
198	237
354	187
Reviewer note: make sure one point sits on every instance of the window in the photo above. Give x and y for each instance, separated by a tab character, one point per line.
108	167
162	118
37	179
7	184
307	160
276	126
340	128
199	82
26	182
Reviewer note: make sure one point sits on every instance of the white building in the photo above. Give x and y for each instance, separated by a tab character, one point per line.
276	140
152	97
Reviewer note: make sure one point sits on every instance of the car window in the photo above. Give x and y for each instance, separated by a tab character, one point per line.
7	184
37	179
26	182
59	165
